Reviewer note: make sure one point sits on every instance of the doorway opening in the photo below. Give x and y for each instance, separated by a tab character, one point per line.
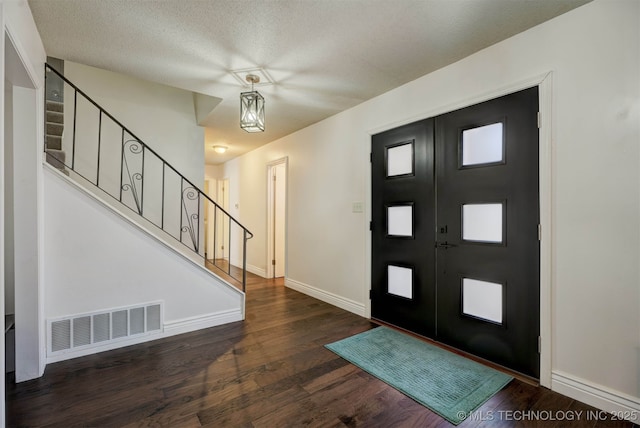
276	218
216	236
20	216
221	252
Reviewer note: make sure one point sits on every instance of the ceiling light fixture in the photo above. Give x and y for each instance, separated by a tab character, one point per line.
220	149
252	108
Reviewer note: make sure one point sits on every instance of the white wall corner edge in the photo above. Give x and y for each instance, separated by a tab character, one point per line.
621	405
325	296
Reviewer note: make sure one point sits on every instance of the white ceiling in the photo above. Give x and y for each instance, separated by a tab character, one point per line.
325	56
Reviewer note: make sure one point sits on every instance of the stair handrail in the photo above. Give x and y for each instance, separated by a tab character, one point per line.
246	232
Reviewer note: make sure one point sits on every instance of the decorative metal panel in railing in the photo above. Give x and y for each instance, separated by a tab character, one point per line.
85	141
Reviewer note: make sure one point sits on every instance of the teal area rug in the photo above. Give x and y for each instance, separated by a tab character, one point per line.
450	385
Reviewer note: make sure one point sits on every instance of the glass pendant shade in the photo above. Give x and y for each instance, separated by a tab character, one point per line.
252	111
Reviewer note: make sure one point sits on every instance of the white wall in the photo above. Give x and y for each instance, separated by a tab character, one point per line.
214	172
26	266
162	116
95	260
593	53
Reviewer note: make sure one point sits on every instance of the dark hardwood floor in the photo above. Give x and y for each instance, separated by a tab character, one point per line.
270	370
232	274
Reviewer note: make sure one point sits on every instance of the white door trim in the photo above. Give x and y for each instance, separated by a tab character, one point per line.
270	218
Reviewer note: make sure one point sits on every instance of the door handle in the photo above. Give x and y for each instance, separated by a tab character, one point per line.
444	245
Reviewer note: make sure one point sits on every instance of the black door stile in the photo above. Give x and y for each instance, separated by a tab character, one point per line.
406	252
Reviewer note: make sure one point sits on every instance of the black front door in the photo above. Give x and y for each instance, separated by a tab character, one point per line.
455	250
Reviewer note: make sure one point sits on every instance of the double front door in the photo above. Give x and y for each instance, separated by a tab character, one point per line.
455	226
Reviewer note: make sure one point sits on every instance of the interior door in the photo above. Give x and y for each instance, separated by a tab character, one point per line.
403	216
487	217
455	213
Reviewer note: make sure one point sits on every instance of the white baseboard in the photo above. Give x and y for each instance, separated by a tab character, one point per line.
171	328
325	296
204	321
621	405
257	271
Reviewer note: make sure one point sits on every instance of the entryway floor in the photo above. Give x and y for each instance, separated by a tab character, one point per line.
271	370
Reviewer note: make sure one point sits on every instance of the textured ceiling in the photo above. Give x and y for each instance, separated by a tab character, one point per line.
325	56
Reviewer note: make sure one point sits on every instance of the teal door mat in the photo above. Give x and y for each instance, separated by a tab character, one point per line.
448	384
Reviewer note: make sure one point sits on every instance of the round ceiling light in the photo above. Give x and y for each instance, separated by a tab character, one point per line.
220	149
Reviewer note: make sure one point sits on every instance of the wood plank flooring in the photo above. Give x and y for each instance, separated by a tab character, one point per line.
232	274
270	370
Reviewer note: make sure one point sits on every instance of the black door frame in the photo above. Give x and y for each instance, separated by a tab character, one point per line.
544	82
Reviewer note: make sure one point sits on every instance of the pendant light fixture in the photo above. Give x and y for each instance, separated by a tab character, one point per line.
252	108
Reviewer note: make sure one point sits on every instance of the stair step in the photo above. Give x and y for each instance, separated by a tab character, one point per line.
55	106
53	142
56	158
55	116
54	129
